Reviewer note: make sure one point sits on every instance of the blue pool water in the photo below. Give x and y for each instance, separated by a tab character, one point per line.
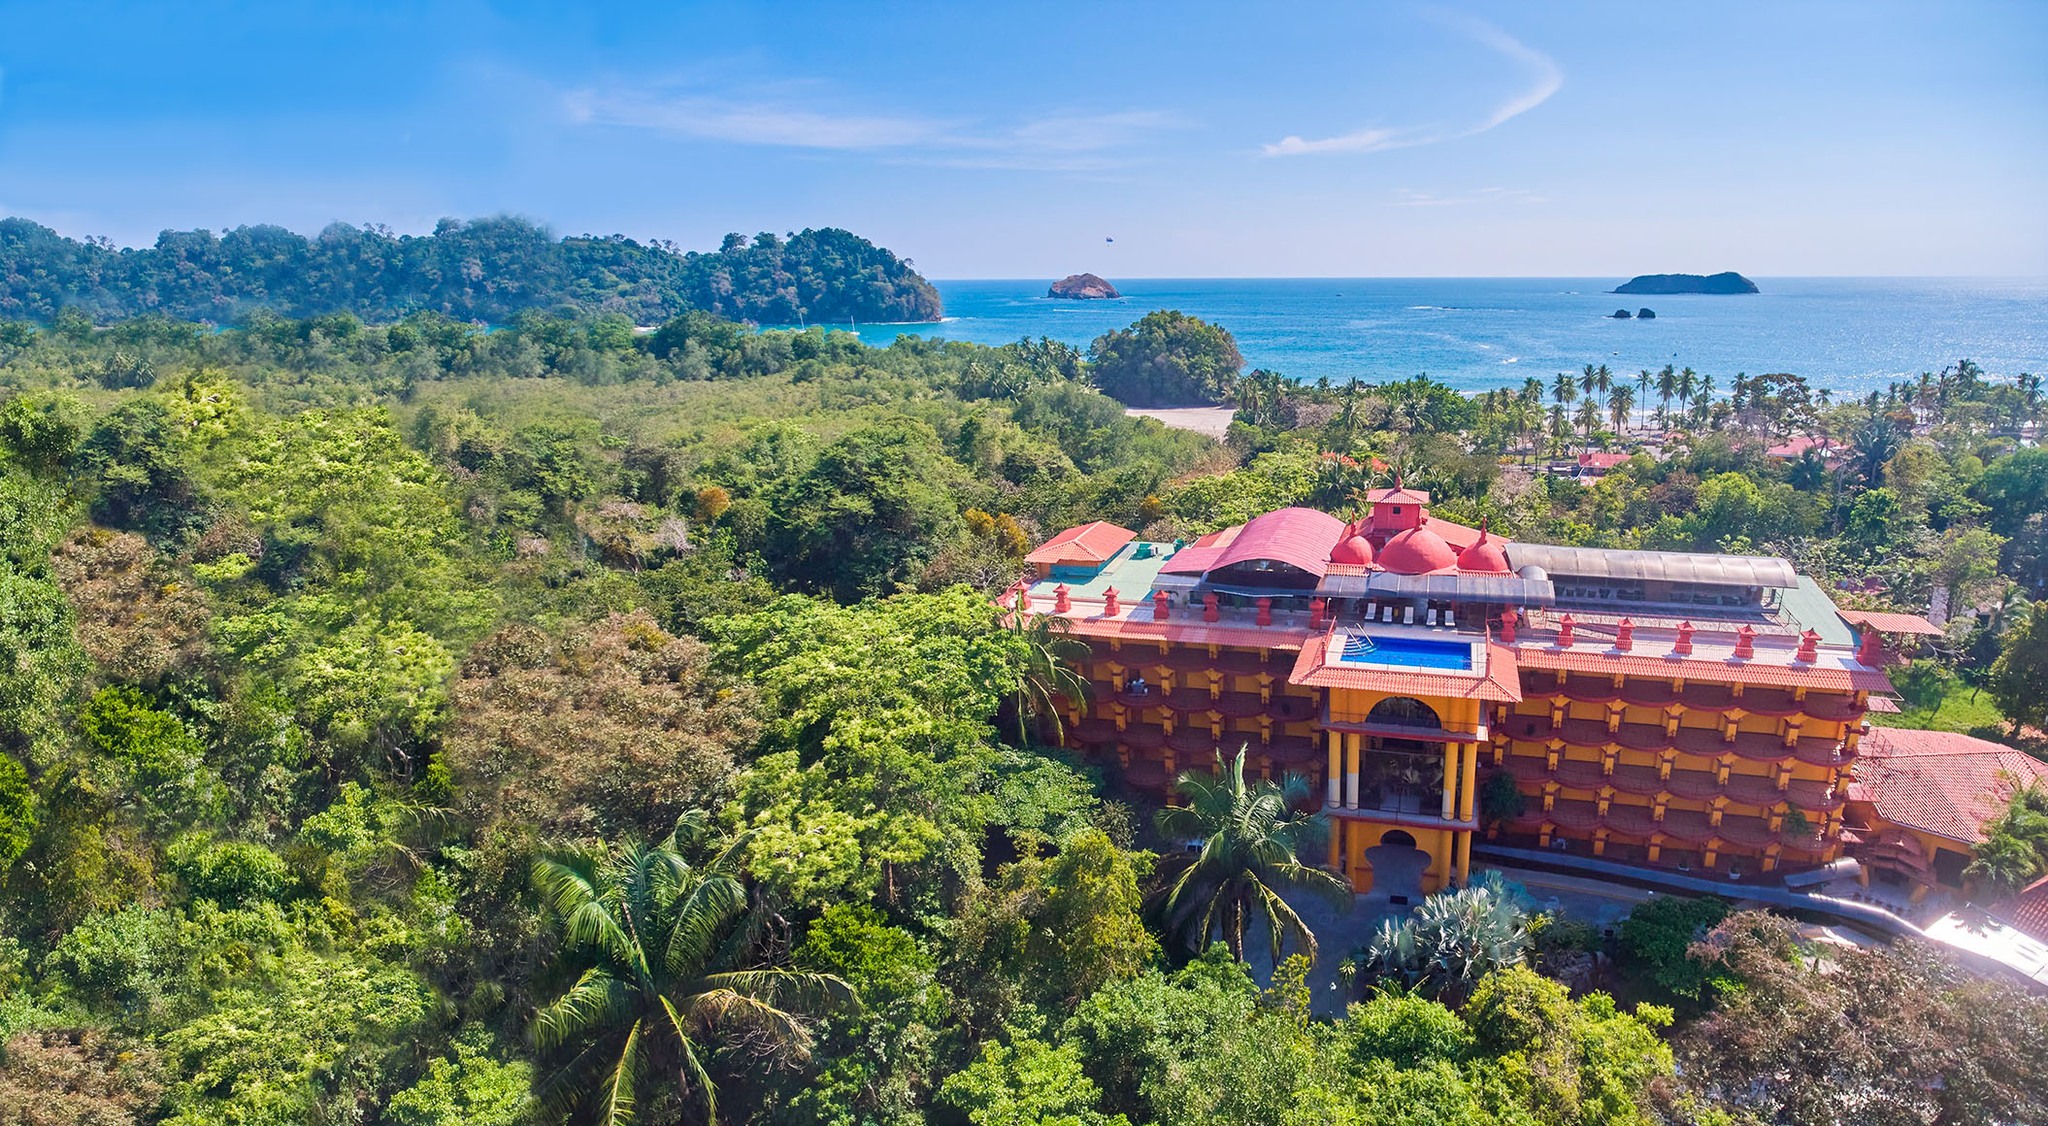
1408	652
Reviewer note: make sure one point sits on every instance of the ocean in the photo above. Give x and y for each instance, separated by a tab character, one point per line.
1849	335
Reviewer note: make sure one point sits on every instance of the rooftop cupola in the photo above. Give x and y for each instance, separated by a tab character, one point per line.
1353	550
1417	551
1484	554
1397	509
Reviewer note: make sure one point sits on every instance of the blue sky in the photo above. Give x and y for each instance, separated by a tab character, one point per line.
994	140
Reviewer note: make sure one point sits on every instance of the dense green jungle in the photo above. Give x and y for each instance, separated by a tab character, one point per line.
409	722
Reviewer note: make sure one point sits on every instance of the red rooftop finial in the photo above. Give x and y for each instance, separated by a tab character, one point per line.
1062	599
1265	611
1869	649
1625	635
1683	646
1209	606
1745	643
1809	647
1507	624
1161	605
1317	607
1564	632
1109	603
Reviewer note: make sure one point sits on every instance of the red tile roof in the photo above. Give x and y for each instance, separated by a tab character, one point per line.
1586	657
1402	494
1940	782
1090	543
2027	912
1796	446
1600	459
1298	537
1887	622
1498	681
1134	623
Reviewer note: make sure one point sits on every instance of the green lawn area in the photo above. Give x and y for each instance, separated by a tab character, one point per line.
1935	699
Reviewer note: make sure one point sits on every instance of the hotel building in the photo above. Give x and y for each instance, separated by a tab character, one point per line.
1686	711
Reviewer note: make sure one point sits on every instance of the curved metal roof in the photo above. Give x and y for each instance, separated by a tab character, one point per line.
1298	537
1664	566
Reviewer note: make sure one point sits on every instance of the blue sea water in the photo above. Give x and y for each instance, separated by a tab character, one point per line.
1846	334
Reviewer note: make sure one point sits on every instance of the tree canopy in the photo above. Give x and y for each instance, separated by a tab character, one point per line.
487	270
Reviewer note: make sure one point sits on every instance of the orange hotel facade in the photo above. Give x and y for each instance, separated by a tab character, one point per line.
1685	711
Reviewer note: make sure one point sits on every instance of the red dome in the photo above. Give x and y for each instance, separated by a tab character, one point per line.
1354	550
1485	554
1417	551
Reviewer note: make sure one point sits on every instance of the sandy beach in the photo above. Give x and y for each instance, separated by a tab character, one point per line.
1213	421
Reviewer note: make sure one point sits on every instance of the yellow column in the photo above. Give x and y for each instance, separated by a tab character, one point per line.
1468	789
1351	771
1333	785
1463	865
1450	780
1336	841
1441	857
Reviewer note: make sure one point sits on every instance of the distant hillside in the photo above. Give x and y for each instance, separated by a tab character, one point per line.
1729	282
483	270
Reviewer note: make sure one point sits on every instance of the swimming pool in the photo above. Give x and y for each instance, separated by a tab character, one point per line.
1408	652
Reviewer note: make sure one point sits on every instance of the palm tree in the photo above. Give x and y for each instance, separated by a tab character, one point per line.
1667	383
1589	417
1687	384
2005	862
1251	838
1876	441
1046	659
1643	380
1564	389
1588	381
664	977
1620	400
1703	399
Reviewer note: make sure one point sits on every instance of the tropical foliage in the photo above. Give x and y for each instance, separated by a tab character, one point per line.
343	663
1249	839
667	982
1453	939
483	270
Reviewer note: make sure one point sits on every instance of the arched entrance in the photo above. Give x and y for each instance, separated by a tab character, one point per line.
1397	867
1404	711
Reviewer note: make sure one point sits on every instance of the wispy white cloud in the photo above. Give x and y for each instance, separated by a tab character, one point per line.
1409	197
1545	79
746	122
1059	141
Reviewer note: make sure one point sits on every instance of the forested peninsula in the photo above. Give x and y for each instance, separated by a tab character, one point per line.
486	270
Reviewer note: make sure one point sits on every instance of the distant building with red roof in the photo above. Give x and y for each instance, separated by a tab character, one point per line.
1598	463
1794	448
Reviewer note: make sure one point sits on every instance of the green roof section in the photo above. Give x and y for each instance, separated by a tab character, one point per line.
1131	576
1809	607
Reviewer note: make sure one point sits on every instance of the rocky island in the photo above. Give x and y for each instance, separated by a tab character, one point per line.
1082	287
1728	282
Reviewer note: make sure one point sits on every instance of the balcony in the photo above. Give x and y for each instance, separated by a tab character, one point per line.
1579	779
1095	732
1834	708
